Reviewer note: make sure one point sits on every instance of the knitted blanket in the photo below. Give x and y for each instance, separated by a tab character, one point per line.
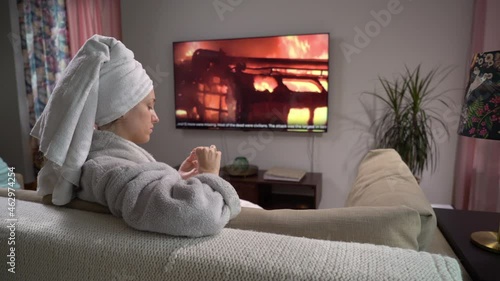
55	243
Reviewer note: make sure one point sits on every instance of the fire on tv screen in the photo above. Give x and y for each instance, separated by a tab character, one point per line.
276	83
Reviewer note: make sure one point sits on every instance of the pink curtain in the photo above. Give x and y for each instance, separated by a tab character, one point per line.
477	170
89	17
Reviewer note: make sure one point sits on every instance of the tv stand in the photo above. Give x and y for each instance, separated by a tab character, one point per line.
271	194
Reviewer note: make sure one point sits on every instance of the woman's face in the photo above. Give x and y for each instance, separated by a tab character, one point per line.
137	124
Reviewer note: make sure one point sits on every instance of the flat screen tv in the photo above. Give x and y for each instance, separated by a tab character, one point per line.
275	83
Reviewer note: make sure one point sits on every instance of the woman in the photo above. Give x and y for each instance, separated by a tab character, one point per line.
105	86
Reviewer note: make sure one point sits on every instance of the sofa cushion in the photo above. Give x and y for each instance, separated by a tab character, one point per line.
55	243
385	180
395	226
22	194
79	204
32	196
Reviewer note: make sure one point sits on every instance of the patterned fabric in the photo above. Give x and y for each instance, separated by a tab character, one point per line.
481	110
44	42
476	185
45	49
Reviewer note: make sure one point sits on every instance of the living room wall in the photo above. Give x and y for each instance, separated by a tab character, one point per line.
433	33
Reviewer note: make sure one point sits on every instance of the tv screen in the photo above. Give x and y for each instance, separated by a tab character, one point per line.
261	83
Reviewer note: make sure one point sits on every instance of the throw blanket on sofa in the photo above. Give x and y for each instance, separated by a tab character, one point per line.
55	243
151	195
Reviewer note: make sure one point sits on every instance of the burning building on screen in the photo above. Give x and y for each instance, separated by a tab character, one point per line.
276	82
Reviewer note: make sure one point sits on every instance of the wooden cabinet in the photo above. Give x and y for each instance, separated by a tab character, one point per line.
305	194
247	191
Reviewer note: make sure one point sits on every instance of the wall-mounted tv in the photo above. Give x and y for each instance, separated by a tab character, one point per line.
276	83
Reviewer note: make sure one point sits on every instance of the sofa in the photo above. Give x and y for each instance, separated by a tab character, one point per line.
386	231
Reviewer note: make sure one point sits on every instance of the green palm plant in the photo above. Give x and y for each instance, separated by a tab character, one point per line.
408	119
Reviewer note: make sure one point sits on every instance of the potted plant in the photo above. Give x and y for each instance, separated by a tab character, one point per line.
408	119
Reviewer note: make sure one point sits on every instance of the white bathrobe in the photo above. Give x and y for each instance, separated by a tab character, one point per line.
151	195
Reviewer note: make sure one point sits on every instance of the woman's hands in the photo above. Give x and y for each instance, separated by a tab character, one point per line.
202	159
208	159
189	167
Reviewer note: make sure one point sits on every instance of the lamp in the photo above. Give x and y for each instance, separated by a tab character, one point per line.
480	118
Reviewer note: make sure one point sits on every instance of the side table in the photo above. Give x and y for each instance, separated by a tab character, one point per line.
457	226
260	191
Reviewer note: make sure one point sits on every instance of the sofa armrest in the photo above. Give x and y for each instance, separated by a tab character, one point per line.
385	180
440	246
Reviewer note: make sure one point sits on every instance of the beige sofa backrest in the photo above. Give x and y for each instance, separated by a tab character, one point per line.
385	207
395	226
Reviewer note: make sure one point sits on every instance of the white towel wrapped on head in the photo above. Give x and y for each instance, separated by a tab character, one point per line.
101	83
